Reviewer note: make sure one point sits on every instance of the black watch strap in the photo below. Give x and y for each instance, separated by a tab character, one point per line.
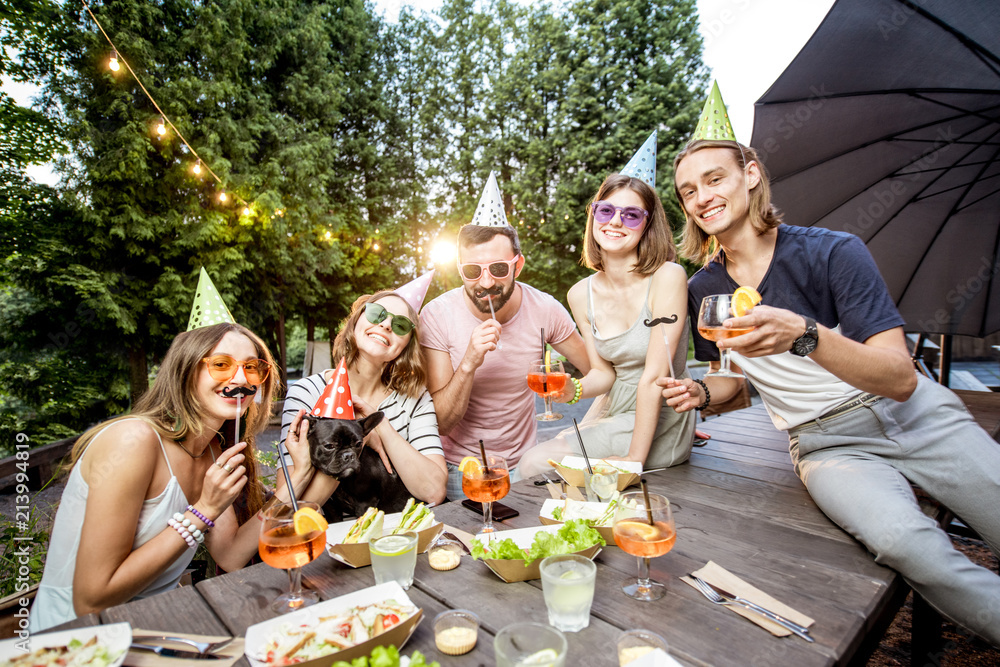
806	343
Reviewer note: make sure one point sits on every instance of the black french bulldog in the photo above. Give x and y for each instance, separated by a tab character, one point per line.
336	448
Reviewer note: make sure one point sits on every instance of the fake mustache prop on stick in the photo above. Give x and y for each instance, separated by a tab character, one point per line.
239	393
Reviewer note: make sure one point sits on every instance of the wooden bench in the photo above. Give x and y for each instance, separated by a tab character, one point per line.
42	463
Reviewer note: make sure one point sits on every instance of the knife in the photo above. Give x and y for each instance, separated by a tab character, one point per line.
165	652
800	630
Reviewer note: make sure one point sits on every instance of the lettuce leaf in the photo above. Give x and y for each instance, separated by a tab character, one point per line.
571	537
386	656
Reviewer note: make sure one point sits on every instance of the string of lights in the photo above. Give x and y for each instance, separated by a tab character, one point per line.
114	64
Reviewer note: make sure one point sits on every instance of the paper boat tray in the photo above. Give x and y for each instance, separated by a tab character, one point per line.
515	570
571	469
357	555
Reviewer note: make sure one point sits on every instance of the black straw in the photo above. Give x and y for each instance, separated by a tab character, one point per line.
645	496
582	448
482	450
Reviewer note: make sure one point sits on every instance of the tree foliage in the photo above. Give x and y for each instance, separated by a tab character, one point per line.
354	143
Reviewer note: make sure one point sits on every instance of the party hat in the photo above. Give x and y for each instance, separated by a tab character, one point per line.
643	163
490	211
335	401
714	121
208	308
414	291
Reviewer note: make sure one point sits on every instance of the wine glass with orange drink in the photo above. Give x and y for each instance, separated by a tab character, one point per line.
485	484
547	379
288	540
718	308
644	528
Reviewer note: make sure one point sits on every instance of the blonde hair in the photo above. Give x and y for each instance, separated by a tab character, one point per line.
656	245
698	246
171	406
404	374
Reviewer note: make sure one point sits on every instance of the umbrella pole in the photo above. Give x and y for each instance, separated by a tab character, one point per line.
944	369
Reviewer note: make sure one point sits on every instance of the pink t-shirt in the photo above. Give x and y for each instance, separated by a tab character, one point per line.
501	408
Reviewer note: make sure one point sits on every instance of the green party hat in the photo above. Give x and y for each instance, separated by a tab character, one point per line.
714	122
208	307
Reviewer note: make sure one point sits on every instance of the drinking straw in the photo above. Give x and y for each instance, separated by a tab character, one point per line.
543	344
645	496
582	448
288	478
670	360
489	297
482	450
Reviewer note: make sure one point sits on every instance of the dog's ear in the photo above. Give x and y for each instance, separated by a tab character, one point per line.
369	423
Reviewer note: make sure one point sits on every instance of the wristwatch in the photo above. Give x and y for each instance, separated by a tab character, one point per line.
806	343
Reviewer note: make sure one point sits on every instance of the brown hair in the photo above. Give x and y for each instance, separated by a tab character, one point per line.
405	373
698	246
656	246
172	409
470	235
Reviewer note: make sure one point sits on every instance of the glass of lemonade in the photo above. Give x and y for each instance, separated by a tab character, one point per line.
633	644
601	484
394	557
568	585
530	645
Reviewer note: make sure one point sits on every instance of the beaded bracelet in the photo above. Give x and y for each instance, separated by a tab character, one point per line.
579	392
708	396
183	532
187	525
204	519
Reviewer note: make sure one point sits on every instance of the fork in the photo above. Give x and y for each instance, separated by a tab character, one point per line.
713	596
204	648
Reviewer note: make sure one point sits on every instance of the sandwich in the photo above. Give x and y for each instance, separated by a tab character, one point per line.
416	517
368	526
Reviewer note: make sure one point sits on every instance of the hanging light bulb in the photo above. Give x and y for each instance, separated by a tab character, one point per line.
375	247
223	197
161	129
197	168
113	63
376	230
246	210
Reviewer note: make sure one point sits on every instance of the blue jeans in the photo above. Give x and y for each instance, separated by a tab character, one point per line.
858	467
455	481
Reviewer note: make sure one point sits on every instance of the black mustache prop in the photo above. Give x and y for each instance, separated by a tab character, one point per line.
240	391
660	320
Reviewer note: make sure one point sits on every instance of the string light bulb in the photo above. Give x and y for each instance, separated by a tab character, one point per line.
113	62
161	129
375	247
246	210
223	197
197	168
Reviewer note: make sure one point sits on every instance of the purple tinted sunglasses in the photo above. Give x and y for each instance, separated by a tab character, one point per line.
631	216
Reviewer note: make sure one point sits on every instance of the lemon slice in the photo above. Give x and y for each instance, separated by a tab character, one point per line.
744	298
547	656
307	520
548	361
643	529
470	464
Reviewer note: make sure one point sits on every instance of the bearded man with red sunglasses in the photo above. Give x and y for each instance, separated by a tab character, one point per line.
478	341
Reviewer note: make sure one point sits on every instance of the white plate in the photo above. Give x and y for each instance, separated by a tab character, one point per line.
116	637
258	635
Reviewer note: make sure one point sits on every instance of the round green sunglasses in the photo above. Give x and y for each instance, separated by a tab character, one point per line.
376	314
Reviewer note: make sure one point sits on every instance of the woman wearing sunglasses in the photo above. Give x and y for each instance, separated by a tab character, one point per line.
386	372
147	488
632	315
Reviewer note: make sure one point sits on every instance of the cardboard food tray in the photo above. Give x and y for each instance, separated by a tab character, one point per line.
515	570
571	469
357	555
545	516
258	635
116	638
227	655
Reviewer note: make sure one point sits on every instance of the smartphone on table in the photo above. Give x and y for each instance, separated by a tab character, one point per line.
500	511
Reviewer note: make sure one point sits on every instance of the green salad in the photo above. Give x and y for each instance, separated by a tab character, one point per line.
571	537
386	656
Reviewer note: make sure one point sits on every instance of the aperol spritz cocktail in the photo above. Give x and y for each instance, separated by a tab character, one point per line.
547	379
484	485
715	310
280	546
635	534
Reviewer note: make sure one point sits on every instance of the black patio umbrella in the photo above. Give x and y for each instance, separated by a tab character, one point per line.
887	125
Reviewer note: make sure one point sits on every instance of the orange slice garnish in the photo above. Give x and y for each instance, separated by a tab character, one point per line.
472	465
307	520
744	298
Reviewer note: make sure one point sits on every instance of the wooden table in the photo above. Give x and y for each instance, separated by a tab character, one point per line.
737	502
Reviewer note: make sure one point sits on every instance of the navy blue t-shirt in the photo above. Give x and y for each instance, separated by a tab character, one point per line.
829	276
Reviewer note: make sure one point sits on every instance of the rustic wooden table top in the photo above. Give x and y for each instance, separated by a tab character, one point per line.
737	502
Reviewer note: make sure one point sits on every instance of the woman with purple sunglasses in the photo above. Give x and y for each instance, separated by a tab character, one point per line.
632	314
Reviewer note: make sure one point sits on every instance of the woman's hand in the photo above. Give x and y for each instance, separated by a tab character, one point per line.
681	394
223	481
297	442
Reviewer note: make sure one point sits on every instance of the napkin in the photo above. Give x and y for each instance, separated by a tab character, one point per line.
714	574
135	658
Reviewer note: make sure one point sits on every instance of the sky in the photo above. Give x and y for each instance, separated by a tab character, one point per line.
748	43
